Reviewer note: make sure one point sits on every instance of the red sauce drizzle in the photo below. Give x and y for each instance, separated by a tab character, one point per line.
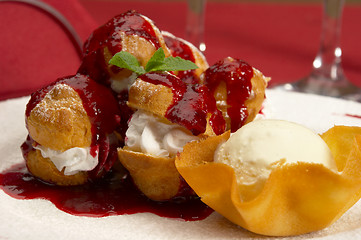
191	104
237	75
125	110
180	49
115	194
103	112
107	36
353	115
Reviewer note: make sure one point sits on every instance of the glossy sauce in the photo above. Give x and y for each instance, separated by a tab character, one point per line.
115	194
353	115
182	50
125	111
237	76
191	104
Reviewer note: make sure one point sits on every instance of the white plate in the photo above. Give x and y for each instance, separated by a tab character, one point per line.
40	219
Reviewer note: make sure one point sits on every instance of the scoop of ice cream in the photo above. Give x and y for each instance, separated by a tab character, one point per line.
148	134
256	148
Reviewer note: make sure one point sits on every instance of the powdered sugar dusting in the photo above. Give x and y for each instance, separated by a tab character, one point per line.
60	98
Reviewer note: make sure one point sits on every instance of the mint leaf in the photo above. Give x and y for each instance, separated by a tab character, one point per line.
156	60
126	60
178	64
159	62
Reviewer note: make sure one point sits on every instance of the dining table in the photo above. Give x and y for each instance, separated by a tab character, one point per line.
279	38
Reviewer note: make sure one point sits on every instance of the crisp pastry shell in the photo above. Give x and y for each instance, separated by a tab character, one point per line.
156	177
296	199
59	121
45	169
150	97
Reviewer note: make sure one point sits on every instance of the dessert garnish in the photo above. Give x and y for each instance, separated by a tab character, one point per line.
158	62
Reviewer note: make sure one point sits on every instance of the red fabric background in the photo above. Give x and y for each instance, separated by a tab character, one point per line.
34	48
279	39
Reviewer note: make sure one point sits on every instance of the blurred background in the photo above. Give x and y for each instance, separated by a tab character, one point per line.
250	1
279	37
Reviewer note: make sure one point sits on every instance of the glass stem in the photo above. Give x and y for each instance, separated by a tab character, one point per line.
195	23
327	63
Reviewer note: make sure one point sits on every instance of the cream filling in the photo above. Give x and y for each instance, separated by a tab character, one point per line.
148	134
118	85
72	160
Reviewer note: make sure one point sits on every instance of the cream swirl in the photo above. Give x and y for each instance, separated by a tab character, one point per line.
147	133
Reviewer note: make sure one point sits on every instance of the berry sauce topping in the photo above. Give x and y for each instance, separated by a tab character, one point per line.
182	50
115	194
191	104
237	75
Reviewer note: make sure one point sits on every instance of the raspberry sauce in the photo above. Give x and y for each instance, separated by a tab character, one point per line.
180	49
191	104
353	115
115	194
237	76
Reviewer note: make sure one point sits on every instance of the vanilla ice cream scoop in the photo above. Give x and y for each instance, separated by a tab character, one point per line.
256	148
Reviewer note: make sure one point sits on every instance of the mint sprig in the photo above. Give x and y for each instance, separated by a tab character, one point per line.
127	60
158	62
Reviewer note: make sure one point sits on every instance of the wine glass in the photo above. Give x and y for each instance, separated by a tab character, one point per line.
195	23
327	77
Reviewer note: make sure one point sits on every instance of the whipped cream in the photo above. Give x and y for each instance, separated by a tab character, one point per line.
72	160
119	85
148	134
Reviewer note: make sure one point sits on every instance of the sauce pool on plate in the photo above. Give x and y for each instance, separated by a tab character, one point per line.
115	194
